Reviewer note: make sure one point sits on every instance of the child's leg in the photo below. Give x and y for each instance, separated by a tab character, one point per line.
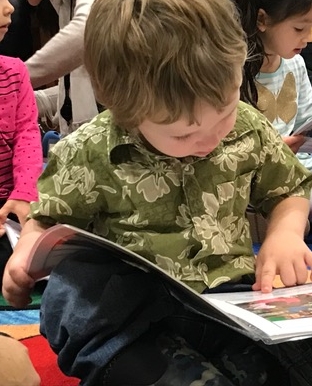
181	365
90	312
236	356
99	319
16	368
296	358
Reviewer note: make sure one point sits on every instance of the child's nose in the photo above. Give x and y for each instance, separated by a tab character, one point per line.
8	9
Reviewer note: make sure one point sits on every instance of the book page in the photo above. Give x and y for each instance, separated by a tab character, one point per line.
282	314
307	146
305	129
251	313
13	231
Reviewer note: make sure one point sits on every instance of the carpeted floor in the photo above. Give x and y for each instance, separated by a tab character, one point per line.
45	363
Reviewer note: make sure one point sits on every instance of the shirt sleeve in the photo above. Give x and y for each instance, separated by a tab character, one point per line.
304	90
63	52
280	173
71	188
27	149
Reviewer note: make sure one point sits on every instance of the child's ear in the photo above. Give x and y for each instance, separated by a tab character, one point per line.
262	20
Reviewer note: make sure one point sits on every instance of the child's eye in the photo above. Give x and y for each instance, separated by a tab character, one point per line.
183	137
298	29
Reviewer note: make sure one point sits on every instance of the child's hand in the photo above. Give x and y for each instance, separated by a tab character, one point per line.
17	284
294	142
18	207
283	253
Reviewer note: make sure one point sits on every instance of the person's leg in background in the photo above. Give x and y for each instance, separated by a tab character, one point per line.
16	368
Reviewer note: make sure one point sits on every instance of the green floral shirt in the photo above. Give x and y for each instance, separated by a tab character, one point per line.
186	215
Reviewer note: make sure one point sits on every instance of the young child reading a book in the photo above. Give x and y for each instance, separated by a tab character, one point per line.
275	76
20	140
168	172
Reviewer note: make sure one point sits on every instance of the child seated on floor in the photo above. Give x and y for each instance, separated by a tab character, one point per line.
275	76
167	171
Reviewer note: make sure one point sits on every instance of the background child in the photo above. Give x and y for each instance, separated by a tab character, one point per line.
168	172
275	76
20	141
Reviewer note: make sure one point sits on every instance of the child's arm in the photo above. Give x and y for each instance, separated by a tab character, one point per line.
17	284
27	148
27	151
284	252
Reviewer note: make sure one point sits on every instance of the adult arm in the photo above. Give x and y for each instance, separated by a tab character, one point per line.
63	52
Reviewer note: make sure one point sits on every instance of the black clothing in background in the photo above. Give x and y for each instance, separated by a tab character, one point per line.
307	56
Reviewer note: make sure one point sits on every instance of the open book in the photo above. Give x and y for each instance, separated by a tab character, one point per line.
13	231
282	315
306	131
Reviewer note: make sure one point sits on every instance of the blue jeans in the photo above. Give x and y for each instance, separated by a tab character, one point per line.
91	310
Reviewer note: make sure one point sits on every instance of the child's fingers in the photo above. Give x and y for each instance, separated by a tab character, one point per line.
265	275
288	275
301	271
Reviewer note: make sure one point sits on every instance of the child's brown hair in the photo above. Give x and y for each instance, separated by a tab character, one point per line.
154	58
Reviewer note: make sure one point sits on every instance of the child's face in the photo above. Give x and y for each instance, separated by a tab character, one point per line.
6	10
179	139
287	38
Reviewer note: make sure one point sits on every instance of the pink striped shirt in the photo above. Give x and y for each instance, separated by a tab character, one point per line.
20	140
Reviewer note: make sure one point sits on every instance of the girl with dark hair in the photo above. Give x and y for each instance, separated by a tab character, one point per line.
275	76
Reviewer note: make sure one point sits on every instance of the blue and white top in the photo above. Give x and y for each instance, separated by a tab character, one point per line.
285	98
